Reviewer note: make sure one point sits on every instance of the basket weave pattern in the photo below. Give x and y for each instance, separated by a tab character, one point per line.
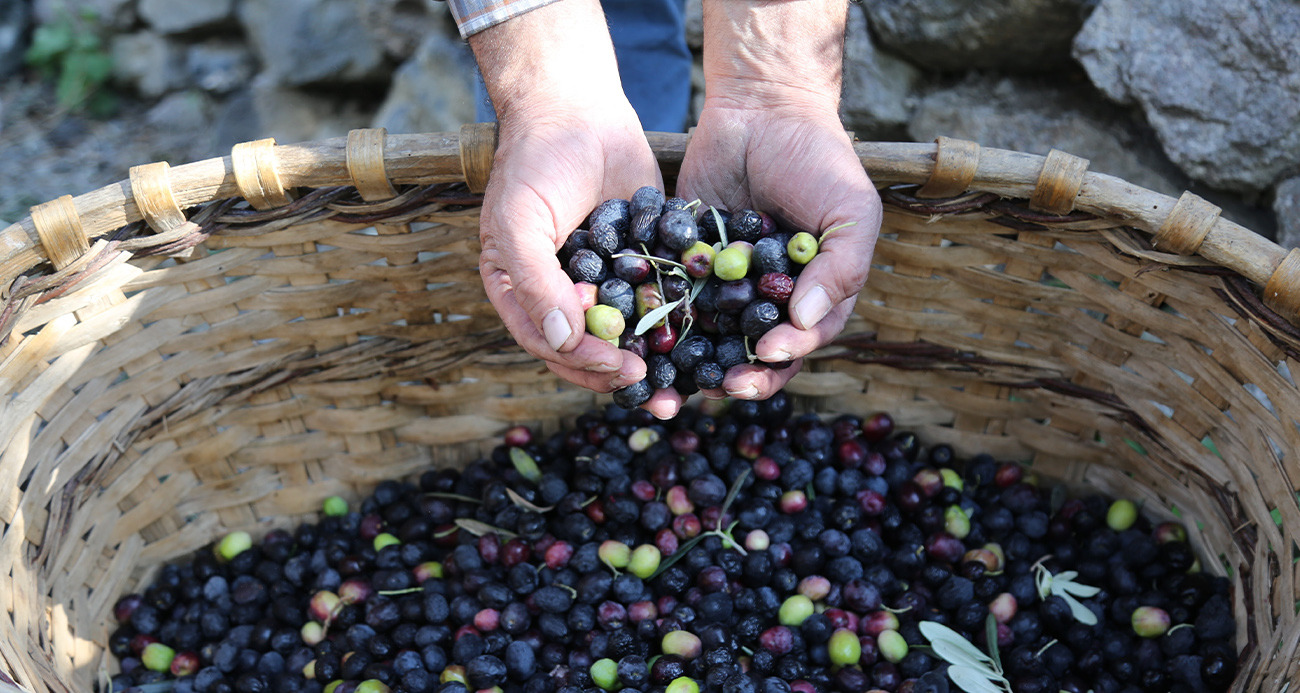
178	364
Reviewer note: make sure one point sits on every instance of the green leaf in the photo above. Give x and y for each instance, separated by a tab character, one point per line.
523	502
696	288
525	465
734	491
677	555
1057	499
958	656
722	228
395	593
946	640
653	317
1043	580
1065	576
452	496
650	259
48	42
1081	613
971	680
72	87
1076	589
98	67
991	635
478	529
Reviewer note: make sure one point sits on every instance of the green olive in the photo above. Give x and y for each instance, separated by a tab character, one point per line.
683	684
845	648
795	610
892	646
604	673
1122	514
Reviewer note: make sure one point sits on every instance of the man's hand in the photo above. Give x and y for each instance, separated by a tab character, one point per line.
568	140
770	138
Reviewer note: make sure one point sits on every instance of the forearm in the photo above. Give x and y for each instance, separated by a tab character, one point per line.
769	53
557	56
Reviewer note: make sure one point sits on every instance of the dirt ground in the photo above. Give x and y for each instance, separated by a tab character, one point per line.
46	153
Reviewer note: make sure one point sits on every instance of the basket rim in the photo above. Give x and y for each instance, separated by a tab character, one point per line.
466	156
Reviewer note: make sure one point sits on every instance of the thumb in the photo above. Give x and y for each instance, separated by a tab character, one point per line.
543	289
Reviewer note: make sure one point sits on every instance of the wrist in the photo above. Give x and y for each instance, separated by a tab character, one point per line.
765	54
553	60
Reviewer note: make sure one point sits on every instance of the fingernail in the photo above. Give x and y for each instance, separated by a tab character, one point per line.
602	368
746	392
555	327
813	307
622	381
777	356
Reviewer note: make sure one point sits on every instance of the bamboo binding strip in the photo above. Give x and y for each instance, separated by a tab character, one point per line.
334	331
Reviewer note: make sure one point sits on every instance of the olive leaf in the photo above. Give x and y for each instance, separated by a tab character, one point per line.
971	680
453	496
525	464
653	317
650	259
677	555
953	646
1064	586
732	493
696	288
525	504
1057	499
1081	613
722	228
395	593
991	637
973	671
478	529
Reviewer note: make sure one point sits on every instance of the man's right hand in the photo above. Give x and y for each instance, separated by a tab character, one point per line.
568	140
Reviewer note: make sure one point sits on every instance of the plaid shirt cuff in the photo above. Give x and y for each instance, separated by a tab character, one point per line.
473	16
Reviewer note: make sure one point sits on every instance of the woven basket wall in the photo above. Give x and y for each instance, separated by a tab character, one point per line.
222	345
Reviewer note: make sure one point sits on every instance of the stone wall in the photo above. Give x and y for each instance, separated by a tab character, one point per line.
1194	94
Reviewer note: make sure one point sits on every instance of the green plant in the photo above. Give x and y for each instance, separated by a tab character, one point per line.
70	52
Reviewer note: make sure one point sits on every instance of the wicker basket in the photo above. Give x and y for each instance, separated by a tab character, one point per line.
168	379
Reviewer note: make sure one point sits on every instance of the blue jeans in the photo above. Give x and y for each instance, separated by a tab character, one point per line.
653	61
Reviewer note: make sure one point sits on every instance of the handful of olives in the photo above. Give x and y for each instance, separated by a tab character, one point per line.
689	289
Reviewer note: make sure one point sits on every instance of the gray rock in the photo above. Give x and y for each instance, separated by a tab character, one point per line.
236	120
172	17
182	110
695	24
290	115
175	119
401	25
116	14
1035	116
309	42
14	17
1023	35
1219	80
219	65
1286	205
154	65
879	89
433	91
